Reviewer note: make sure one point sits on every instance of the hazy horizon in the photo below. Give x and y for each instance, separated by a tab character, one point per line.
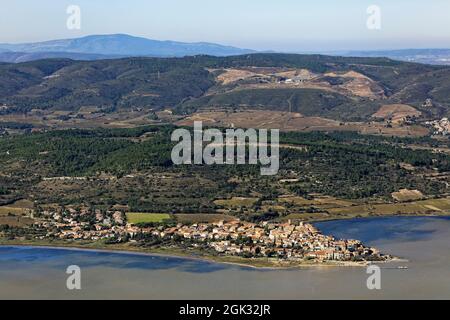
284	26
258	50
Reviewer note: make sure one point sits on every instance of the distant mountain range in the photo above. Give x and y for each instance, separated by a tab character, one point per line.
17	57
111	46
97	47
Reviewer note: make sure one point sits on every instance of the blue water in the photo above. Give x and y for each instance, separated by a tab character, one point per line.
370	231
376	230
58	257
40	273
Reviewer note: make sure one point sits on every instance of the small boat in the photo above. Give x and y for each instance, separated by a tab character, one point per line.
402	267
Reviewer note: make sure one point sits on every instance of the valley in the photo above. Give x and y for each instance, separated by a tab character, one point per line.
360	137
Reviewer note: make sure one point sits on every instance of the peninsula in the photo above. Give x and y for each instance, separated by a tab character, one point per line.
276	244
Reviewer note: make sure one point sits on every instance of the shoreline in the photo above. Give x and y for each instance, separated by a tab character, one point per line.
186	256
254	263
177	253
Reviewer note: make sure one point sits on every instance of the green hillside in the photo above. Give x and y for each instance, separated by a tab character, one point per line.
187	84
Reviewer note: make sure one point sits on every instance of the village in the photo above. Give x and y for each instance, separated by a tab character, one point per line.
285	241
439	127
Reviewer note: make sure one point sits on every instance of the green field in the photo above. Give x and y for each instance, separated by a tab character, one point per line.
4	210
136	217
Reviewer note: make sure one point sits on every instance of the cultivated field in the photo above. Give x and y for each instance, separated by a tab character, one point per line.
137	217
397	113
286	121
350	83
202	218
236	202
424	207
15	215
407	195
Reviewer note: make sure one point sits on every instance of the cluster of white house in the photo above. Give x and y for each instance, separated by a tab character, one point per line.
295	241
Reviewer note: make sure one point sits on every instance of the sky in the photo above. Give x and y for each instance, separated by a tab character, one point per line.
281	25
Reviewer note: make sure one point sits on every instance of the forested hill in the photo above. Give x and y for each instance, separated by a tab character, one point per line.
157	83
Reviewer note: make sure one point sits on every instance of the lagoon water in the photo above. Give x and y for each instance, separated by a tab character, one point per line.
39	273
